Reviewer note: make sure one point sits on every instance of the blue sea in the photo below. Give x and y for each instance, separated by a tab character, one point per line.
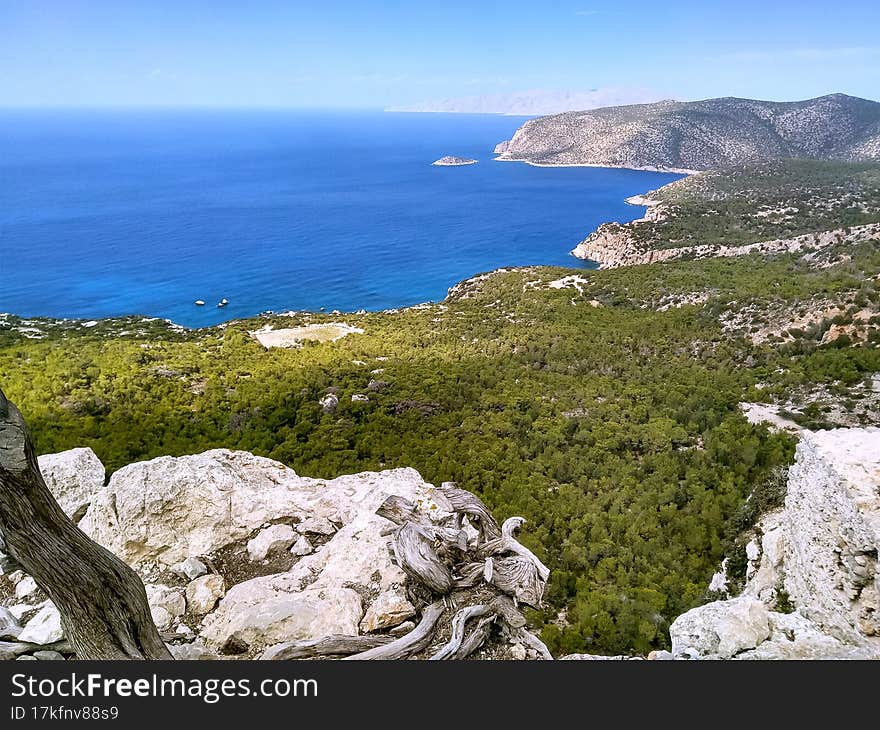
106	213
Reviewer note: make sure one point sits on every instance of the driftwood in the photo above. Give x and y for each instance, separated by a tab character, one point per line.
517	576
102	601
410	643
434	550
458	626
417	556
469	504
333	645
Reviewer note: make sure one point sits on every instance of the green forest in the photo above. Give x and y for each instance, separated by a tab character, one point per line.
612	427
744	204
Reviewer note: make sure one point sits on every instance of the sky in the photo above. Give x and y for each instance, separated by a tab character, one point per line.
381	53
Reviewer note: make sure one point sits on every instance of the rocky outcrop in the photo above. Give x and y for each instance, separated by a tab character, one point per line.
699	135
833	532
74	477
813	588
169	509
613	245
240	553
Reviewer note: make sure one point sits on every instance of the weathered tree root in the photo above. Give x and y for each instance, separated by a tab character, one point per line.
333	645
102	601
466	549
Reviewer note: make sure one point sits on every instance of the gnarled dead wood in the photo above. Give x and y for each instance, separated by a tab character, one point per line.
410	643
399	510
507	543
470	575
333	645
469	504
475	639
503	606
533	642
102	601
415	553
459	621
516	576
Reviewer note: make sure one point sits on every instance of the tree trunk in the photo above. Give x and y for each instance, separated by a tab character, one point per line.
102	601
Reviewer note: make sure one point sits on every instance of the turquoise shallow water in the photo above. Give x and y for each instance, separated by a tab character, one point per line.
143	212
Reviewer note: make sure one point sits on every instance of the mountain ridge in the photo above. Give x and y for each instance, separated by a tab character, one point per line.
700	135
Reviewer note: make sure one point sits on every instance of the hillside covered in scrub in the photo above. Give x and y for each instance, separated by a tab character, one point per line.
773	207
699	135
602	406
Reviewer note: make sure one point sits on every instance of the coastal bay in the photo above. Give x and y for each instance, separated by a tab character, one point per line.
119	212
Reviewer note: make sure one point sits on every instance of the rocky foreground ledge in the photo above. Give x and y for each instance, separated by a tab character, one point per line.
242	557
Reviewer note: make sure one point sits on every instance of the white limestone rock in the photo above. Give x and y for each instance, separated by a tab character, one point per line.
9	626
170	508
191	568
273	539
794	637
765	569
316	526
720	629
203	593
821	547
26	587
74	477
256	613
262	610
48	655
389	609
718	584
166	604
44	627
832	524
302	546
195	651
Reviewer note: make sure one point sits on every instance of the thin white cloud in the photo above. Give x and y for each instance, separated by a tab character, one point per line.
586	13
538	101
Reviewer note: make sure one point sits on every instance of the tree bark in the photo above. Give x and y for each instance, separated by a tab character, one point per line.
102	601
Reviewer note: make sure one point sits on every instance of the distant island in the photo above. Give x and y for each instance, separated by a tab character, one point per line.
451	161
700	135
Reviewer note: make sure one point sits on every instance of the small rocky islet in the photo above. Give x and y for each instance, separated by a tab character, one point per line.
453	161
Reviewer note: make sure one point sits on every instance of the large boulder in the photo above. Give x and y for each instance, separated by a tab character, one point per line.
74	477
256	614
721	629
171	508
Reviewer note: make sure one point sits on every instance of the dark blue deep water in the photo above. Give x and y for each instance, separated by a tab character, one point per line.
134	212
